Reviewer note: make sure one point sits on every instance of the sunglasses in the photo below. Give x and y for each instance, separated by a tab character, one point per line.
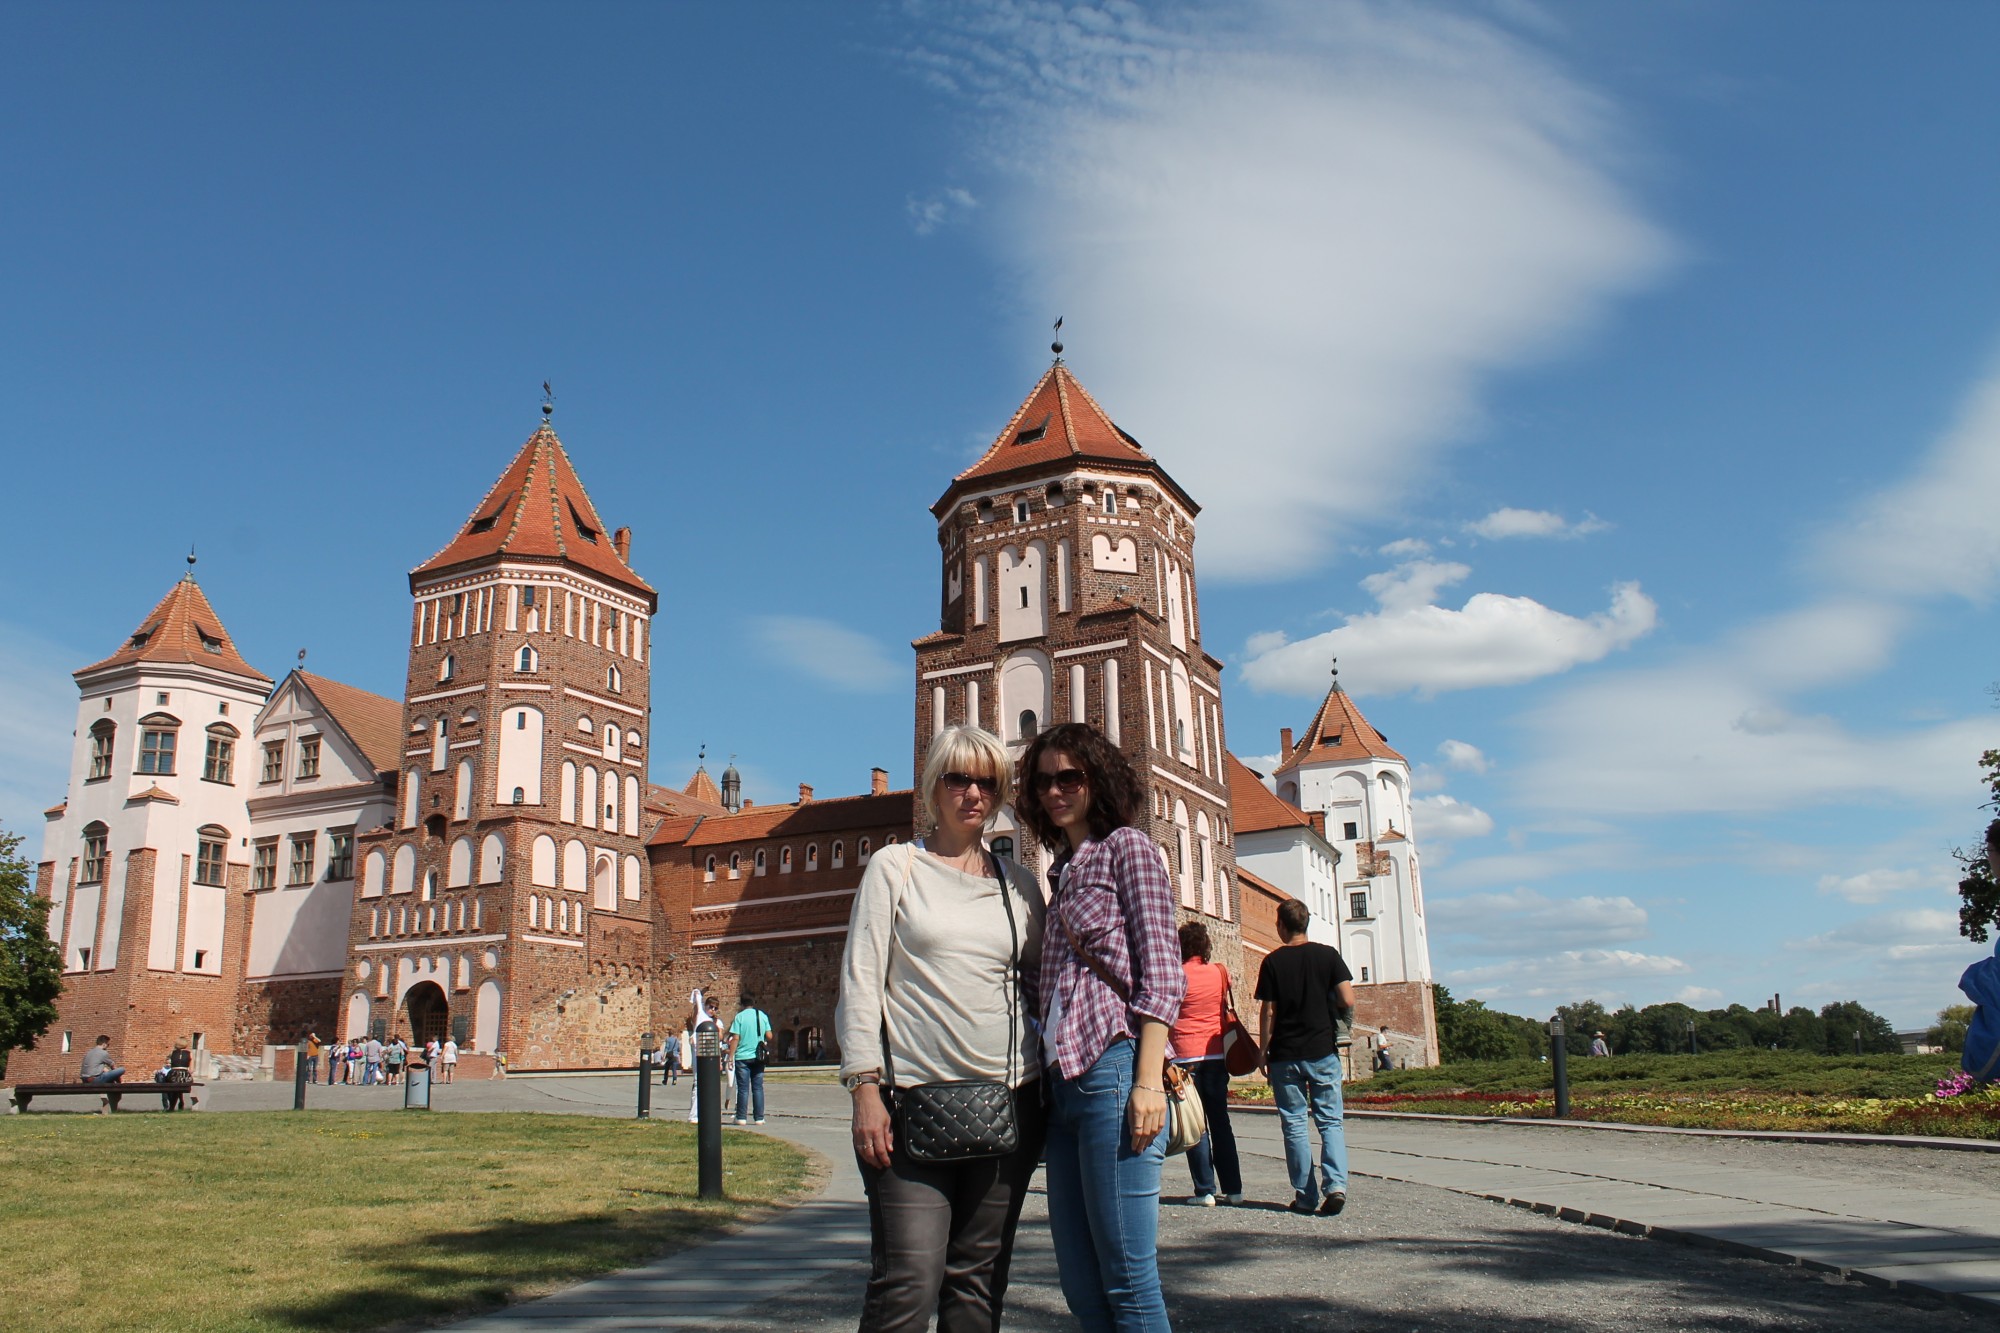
1068	779
957	783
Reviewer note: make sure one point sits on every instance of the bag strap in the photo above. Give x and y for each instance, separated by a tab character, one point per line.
1089	960
1013	966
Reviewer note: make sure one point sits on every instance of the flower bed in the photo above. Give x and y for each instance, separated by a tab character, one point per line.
1970	1115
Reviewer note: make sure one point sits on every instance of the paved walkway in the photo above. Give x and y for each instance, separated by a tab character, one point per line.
1421	1247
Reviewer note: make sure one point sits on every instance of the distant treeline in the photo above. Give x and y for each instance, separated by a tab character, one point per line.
1468	1030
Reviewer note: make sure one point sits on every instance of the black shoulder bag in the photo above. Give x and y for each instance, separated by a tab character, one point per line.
968	1119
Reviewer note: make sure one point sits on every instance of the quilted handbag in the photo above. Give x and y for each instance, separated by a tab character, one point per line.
973	1118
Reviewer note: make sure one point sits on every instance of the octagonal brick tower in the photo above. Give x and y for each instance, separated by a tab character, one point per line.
1067	593
508	905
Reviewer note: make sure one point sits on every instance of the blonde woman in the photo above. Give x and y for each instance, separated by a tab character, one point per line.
938	986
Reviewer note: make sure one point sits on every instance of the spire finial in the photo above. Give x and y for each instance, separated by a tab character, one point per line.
190	560
548	402
302	659
1056	346
1334	663
701	756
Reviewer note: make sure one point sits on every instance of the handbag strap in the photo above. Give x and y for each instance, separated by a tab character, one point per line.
1089	960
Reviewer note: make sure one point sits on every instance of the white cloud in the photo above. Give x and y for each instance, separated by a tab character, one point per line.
1922	933
1295	241
1445	817
1872	886
1699	997
1525	921
1263	765
1405	547
1463	757
1267	641
1413	644
1608	975
830	653
932	211
1504	523
37	715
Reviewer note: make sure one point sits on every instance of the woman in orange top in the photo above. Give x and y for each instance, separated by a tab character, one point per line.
1197	1045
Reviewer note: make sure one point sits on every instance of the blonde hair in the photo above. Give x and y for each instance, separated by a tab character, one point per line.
965	750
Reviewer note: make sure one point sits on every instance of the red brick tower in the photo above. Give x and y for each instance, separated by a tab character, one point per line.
508	905
1068	593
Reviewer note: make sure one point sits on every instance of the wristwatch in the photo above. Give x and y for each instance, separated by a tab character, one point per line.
853	1081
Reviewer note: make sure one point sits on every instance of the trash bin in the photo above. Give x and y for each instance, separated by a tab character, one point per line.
417	1087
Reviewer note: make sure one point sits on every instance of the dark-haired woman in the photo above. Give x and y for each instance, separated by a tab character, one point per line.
1197	1039
1111	985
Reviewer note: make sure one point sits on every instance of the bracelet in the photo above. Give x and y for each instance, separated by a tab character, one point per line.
1142	1087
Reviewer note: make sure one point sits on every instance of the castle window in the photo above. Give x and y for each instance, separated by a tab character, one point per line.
1004	846
526	661
308	756
209	643
264	865
614	680
103	735
430	886
785	861
209	855
302	859
861	852
339	856
1357	906
447	668
1024	596
583	529
520	796
1030	725
156	750
162	699
521	720
1364	974
528	595
812	856
1030	434
1020	511
1110	501
708	870
1350	830
761	861
735	864
274	762
839	854
218	763
96	853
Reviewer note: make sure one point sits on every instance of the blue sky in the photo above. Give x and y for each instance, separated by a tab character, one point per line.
1616	389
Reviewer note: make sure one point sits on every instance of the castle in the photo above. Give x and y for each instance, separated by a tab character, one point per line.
486	859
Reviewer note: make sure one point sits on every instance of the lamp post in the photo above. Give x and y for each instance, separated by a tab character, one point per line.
708	1107
1694	1047
645	1076
1559	1058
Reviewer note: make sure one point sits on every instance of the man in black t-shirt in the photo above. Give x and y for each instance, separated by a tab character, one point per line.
1304	988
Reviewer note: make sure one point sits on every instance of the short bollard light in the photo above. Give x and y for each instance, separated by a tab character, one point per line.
299	1076
1559	1059
645	1076
708	1109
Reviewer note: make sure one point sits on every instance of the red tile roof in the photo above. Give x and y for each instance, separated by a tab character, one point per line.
666	801
373	722
1339	732
702	787
537	510
891	810
182	628
1058	423
1252	809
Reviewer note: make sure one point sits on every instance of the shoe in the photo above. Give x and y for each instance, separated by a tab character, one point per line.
1301	1205
739	1121
1232	1198
758	1121
1201	1201
1331	1205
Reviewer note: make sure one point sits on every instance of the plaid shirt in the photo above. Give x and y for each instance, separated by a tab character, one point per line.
1114	898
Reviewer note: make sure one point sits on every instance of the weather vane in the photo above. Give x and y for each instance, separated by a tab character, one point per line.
701	755
190	559
548	401
1334	664
1056	346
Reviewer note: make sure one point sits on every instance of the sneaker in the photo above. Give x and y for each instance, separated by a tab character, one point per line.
1331	1205
758	1121
1201	1201
1232	1198
1301	1205
739	1121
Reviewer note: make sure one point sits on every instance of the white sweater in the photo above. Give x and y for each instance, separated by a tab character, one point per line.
927	953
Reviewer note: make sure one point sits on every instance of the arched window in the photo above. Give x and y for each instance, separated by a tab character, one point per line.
839	854
430	886
612	740
576	866
159	736
211	852
784	860
403	873
103	733
526	661
542	862
447	668
219	763
634	741
614	679
605	881
1004	846
492	859
461	864
469	718
812	856
708	871
518	762
1030	726
761	865
735	864
374	871
861	852
520	796
585	725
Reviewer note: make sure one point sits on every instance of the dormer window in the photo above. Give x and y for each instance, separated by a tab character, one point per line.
139	639
485	522
1032	434
583	529
209	642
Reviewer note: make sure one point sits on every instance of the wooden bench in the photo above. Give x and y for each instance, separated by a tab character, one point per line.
111	1092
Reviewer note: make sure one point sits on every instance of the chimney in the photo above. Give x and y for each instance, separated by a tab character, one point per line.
1318	818
805	792
878	782
1284	740
621	542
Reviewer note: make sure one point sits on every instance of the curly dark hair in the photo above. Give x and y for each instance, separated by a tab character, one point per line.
1195	942
1114	787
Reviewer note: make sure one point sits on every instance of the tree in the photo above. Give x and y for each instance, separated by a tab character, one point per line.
30	963
1949	1033
1848	1018
1979	891
1468	1030
1582	1021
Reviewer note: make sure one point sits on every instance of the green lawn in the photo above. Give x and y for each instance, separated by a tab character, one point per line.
347	1220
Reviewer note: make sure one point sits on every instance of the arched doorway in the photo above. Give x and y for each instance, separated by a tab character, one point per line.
429	1013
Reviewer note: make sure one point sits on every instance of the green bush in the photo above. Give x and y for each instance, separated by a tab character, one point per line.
1720	1071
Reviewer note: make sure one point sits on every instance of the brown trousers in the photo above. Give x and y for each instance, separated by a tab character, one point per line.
941	1237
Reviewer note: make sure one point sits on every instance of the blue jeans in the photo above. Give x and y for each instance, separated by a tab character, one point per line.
1311	1086
1104	1200
108	1076
1217	1149
749	1088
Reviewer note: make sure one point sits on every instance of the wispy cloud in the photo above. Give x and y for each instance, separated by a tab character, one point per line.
1413	644
1526	919
828	652
1610	975
1872	886
1504	523
1316	231
935	210
1444	818
37	715
1463	757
